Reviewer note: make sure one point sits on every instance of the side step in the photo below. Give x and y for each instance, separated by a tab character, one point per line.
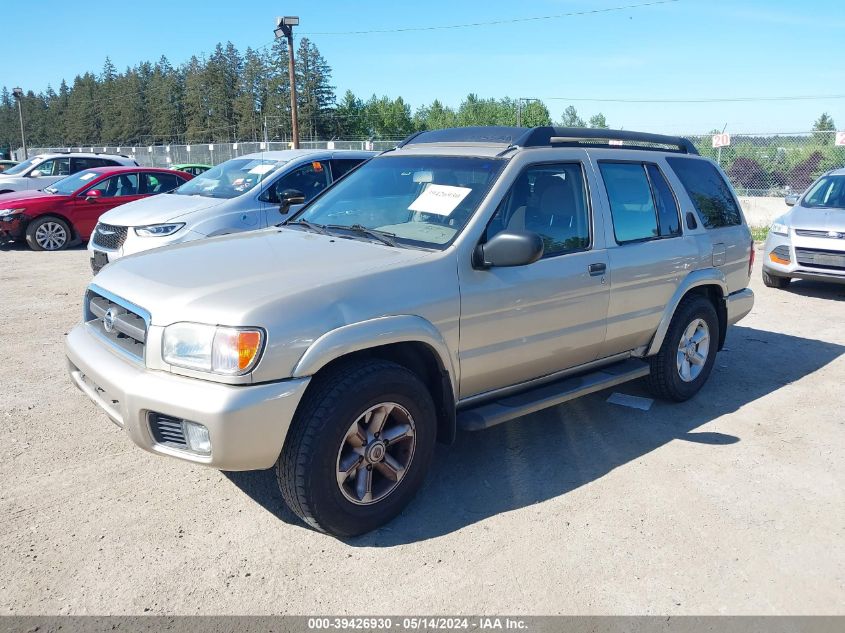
495	412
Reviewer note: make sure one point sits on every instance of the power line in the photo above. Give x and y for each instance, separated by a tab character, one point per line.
535	18
701	99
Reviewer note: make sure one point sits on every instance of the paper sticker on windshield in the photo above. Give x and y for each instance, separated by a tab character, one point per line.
439	199
87	176
261	169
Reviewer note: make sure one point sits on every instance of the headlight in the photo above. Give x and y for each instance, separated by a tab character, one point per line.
221	350
158	230
779	229
5	213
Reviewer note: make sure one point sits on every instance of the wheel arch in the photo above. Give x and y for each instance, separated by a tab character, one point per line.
710	283
407	340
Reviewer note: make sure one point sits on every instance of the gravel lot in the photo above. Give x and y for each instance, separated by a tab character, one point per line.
732	503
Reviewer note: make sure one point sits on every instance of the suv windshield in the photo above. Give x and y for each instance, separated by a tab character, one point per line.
229	179
22	167
827	193
418	200
66	186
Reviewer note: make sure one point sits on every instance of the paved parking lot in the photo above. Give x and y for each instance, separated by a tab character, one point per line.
733	502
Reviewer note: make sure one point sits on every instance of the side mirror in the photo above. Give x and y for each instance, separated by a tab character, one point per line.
92	195
509	248
35	173
288	198
791	200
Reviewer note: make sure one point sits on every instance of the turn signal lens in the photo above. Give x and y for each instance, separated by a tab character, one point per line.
235	350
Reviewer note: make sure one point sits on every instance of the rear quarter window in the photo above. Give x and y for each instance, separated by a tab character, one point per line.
710	193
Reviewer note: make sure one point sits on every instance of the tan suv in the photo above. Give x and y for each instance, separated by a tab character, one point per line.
464	279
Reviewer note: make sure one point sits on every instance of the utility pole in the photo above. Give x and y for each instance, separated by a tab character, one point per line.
519	102
284	27
18	94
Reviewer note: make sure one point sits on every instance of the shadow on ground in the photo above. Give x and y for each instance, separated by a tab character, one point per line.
551	452
816	289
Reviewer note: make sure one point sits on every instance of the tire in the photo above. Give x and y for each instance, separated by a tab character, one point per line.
775	281
48	233
331	431
667	379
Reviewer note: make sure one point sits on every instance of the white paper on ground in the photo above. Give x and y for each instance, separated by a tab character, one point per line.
634	402
439	199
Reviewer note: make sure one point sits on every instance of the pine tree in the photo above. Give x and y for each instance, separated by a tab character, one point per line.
823	129
571	118
315	94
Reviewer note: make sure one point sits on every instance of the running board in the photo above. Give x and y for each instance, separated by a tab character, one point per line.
508	408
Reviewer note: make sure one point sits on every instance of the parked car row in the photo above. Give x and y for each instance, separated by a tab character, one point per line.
462	280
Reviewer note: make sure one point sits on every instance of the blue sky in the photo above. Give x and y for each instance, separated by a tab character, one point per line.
683	50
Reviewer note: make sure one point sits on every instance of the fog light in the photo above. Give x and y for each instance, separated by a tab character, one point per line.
780	255
197	437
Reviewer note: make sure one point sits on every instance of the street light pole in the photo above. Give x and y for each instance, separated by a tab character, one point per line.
284	27
18	94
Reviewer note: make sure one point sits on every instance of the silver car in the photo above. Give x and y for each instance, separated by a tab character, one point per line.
43	170
808	242
250	192
465	279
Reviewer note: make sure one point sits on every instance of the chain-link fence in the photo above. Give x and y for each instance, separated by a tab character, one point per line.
758	165
207	153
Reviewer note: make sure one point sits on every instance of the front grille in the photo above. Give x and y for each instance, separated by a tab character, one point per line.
119	322
833	235
110	236
167	431
818	258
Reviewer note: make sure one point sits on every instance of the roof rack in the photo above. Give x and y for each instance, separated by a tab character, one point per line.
593	137
512	137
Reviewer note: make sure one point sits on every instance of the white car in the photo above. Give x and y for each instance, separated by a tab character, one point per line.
808	242
43	170
246	193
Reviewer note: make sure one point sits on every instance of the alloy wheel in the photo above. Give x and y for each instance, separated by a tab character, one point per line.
693	349
376	453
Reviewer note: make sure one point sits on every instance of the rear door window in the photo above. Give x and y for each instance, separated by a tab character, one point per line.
710	194
152	184
668	218
631	202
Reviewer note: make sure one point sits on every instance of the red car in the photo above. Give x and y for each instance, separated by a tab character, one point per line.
68	210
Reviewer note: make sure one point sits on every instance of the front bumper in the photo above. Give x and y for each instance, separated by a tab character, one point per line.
247	424
135	244
796	270
14	228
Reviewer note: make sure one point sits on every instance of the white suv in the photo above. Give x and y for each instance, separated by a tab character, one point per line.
43	170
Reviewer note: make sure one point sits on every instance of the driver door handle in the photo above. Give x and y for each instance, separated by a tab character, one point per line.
597	269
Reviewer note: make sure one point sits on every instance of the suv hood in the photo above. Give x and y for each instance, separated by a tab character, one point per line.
156	209
232	279
816	219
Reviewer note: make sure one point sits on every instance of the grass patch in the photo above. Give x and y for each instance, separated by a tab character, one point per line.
759	233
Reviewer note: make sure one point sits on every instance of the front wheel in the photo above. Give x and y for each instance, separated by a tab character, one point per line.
48	234
685	359
358	448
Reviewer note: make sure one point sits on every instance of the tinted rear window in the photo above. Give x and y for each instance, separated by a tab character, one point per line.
709	192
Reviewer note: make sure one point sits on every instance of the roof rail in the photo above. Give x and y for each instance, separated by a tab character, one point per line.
480	135
599	137
510	137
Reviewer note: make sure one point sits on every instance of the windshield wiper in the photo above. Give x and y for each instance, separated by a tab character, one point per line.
317	228
382	236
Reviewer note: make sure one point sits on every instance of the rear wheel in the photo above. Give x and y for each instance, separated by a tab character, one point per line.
48	234
358	448
685	359
775	281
